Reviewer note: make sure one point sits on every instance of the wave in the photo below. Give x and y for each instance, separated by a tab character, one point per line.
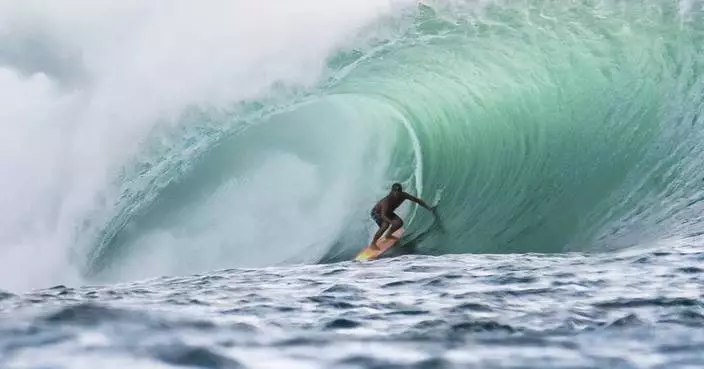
536	127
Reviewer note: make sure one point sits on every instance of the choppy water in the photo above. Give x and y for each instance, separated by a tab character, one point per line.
641	309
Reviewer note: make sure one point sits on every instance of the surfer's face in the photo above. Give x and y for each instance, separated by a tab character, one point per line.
396	187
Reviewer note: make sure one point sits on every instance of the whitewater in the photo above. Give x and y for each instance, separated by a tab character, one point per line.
109	105
197	177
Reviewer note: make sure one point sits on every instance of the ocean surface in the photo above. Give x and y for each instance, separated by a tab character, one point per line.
623	310
185	184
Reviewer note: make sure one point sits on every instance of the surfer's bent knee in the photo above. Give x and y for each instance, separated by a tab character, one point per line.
397	222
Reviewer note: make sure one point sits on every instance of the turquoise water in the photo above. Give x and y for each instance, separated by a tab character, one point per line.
546	125
536	127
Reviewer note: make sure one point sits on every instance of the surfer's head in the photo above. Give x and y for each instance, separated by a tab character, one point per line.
396	187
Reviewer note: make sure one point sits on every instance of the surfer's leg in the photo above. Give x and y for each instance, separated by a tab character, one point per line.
396	224
382	228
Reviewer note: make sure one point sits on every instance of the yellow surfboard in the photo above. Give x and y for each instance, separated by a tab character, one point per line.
384	244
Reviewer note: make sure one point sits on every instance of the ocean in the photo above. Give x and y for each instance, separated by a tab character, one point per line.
622	310
186	185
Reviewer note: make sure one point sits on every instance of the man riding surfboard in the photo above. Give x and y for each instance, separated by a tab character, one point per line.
384	216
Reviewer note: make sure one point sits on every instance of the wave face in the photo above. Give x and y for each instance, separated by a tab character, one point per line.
539	127
546	126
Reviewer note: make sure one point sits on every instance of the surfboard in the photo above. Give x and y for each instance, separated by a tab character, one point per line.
384	244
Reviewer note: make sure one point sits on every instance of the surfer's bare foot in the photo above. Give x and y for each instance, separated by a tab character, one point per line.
374	247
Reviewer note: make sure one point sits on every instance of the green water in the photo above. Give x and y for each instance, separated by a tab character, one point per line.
542	123
537	126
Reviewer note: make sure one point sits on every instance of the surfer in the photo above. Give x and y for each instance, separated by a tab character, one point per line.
383	212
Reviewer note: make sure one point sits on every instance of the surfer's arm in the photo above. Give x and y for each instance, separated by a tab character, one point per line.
418	201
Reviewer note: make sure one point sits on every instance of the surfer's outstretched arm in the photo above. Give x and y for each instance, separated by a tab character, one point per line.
419	202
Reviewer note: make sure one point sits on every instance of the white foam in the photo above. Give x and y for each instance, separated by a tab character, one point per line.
82	82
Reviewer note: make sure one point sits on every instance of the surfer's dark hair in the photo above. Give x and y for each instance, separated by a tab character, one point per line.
396	187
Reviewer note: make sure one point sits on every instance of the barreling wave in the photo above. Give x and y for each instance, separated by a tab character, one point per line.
539	126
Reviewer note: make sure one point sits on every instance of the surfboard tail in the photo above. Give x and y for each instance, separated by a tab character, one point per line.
369	254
